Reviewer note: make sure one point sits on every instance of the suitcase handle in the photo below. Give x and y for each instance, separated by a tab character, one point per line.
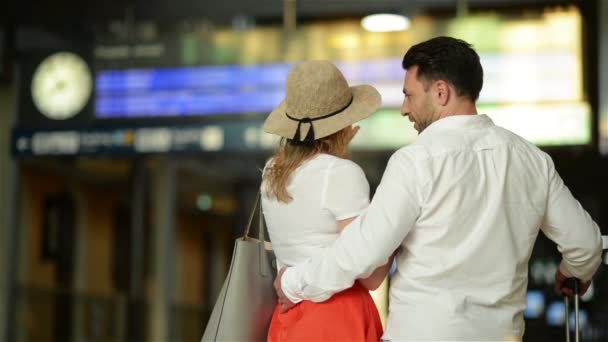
574	285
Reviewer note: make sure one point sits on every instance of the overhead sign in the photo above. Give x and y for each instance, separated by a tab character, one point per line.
237	136
232	89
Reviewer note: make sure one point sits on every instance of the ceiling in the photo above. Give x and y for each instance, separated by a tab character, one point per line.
79	12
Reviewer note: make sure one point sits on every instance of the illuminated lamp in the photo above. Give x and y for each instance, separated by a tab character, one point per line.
204	202
385	22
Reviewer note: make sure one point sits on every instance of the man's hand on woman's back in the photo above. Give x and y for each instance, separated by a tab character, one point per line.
286	304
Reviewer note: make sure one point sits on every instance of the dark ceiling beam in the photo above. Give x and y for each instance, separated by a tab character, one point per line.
79	14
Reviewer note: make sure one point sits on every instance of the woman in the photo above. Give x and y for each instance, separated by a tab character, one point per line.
311	191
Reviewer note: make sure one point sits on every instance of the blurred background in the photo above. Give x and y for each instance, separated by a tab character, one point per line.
132	144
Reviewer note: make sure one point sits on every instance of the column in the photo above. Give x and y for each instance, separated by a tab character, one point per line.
603	72
136	303
9	206
80	262
217	265
164	265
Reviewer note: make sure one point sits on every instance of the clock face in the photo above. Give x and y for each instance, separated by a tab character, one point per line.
61	86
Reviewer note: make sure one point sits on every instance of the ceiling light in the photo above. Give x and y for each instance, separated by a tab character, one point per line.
385	23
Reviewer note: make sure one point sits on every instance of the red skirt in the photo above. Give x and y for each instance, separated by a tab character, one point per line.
350	315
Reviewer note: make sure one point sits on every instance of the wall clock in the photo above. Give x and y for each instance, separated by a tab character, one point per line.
61	85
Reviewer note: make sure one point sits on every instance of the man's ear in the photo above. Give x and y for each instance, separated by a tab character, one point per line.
442	92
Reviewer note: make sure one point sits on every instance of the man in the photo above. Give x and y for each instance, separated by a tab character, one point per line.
465	203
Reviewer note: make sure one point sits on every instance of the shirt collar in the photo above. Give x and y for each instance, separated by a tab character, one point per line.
458	122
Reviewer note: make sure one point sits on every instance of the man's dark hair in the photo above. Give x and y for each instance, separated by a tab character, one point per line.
448	59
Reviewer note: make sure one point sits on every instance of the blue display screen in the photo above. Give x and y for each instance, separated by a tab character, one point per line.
207	78
189	91
207	90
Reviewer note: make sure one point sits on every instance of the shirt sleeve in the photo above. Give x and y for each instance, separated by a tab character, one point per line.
345	190
368	241
567	224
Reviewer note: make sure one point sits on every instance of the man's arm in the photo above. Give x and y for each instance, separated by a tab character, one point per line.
577	237
377	277
367	243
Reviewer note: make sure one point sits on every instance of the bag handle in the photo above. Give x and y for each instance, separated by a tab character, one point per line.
264	266
262	229
262	223
250	221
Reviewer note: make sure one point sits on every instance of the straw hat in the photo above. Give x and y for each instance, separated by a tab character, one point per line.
319	102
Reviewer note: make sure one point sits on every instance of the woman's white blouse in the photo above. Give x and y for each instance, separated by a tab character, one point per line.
324	189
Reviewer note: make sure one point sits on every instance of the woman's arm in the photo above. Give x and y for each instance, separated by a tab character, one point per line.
377	277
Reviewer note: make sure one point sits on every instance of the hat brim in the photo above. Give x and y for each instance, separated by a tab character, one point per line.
366	100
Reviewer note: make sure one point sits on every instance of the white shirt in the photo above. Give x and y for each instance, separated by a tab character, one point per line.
324	189
465	203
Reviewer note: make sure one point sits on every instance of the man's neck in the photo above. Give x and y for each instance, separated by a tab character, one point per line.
459	108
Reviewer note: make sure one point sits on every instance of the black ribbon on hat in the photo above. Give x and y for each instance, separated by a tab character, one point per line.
310	136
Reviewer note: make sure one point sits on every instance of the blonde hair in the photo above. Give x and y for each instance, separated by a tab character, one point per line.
289	157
